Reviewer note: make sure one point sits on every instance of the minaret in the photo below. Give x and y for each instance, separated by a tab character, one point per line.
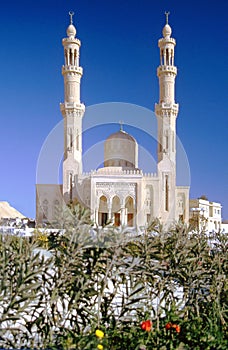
72	110
166	111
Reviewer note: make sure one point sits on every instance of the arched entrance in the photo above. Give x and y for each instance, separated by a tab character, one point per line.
103	211
116	211
130	211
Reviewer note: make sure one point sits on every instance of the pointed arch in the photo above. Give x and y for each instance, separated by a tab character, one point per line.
103	211
130	211
116	210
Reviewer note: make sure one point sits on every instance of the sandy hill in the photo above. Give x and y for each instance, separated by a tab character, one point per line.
6	211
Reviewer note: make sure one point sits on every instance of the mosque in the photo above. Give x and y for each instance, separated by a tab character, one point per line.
119	193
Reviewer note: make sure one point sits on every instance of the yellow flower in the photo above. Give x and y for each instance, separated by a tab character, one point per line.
99	334
100	347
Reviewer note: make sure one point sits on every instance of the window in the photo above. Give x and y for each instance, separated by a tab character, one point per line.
70	140
71	186
167	56
166	193
77	141
167	142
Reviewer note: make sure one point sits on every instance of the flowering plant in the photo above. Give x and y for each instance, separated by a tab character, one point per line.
146	325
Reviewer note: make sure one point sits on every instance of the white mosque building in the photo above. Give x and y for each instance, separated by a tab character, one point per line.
118	193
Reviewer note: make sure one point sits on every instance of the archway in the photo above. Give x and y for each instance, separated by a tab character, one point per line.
116	211
130	211
103	211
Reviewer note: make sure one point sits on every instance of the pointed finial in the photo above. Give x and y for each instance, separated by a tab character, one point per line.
121	125
71	14
167	17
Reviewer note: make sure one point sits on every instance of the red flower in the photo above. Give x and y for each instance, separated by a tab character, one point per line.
146	325
177	328
168	325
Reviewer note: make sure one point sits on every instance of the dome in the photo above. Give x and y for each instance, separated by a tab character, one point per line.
121	135
121	150
167	31
71	31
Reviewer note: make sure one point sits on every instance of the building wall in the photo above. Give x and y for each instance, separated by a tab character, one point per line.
49	203
207	213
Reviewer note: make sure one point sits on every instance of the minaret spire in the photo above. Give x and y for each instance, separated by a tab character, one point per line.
71	14
121	122
167	17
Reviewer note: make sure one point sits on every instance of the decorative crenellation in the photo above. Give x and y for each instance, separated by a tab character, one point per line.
115	171
150	174
121	172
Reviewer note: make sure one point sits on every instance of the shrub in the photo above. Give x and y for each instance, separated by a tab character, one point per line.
157	290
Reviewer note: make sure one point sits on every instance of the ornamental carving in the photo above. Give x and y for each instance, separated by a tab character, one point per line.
120	189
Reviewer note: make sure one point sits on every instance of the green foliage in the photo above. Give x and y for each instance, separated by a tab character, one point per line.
55	292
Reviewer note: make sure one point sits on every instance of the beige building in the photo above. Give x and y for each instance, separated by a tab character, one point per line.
205	215
119	193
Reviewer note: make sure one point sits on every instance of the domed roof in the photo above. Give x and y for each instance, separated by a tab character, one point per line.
121	135
167	31
71	31
121	150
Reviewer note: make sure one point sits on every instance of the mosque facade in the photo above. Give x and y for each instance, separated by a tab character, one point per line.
119	193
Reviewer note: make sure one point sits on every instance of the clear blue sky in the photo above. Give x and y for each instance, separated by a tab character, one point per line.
119	55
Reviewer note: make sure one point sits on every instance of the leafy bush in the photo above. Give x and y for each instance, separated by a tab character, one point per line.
157	290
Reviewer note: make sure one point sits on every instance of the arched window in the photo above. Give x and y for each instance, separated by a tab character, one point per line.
167	57
71	186
116	210
166	193
129	205
71	57
70	140
103	211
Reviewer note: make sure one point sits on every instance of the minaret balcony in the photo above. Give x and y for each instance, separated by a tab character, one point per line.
67	41
164	41
72	106
72	69
166	106
167	69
